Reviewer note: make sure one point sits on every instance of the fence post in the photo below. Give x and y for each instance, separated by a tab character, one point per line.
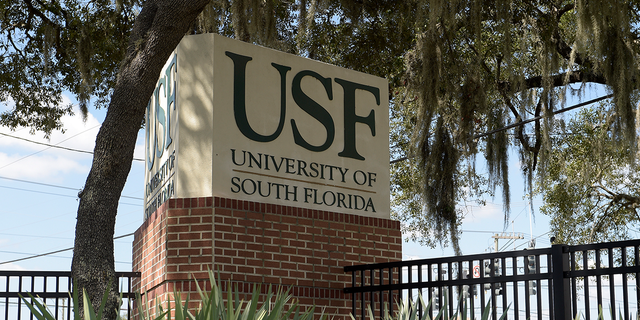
560	283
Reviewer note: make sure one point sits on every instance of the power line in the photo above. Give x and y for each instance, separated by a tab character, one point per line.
540	236
525	122
7	135
54	252
57	186
36	256
46	144
42	192
63	195
544	116
61	257
40	183
481	231
56	146
33	236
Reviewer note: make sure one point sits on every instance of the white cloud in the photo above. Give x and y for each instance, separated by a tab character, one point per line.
38	167
490	211
139	151
78	135
23	159
10	266
7	105
72	125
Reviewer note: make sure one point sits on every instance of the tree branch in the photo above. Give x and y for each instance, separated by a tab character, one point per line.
626	200
562	47
60	53
558	80
598	222
20	53
565	9
40	14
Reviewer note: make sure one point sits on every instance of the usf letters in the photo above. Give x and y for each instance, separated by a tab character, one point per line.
305	103
238	121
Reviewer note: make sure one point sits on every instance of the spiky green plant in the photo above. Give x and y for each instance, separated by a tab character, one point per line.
408	310
41	312
213	306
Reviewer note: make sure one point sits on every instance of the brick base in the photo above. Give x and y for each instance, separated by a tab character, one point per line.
250	243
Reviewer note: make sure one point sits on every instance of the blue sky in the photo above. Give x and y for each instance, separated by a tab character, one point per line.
38	216
39	186
481	222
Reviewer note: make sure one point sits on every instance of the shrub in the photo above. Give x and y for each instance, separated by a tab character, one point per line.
408	310
277	306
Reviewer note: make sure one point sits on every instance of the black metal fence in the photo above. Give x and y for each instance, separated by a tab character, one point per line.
561	282
53	288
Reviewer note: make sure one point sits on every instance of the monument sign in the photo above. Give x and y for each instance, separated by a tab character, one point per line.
239	121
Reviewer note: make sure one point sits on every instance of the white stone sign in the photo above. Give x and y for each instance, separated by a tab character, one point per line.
239	121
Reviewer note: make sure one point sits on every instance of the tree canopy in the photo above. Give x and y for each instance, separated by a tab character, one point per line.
591	189
47	47
478	66
456	69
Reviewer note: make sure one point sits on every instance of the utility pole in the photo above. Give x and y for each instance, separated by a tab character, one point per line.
505	235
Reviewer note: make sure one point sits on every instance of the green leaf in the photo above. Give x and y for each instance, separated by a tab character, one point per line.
40	311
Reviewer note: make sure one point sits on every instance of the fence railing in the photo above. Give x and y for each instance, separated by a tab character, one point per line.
53	287
560	282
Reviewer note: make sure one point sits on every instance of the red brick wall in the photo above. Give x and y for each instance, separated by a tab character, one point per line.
248	243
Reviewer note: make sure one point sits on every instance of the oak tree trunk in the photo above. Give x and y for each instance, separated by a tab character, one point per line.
157	31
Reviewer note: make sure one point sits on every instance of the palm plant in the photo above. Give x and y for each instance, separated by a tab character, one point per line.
213	306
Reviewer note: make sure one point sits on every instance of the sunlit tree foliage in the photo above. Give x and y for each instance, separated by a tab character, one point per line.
456	69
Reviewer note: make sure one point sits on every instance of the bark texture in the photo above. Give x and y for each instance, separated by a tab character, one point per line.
157	31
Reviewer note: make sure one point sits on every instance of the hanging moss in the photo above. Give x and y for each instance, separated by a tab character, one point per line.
459	67
463	67
479	65
84	53
497	156
440	160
